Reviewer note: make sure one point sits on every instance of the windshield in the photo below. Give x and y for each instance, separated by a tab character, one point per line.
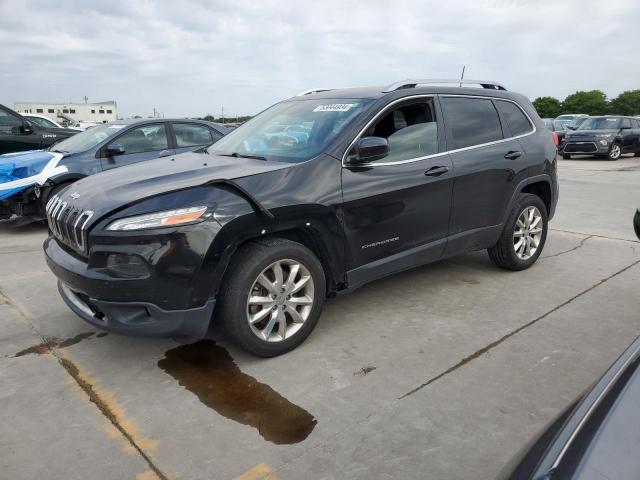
601	123
291	131
566	117
87	139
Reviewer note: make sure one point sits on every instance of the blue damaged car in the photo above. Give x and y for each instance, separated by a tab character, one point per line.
29	179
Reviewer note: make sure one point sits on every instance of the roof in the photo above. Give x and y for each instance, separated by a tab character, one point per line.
134	121
412	87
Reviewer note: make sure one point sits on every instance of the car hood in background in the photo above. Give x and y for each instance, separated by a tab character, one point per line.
21	170
106	191
591	133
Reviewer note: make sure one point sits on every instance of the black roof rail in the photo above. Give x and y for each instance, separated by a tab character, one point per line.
413	83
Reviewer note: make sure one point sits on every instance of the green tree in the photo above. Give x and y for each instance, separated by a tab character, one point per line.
593	102
548	107
627	103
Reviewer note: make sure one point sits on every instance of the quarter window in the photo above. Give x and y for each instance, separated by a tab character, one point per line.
190	135
517	121
473	121
411	130
143	139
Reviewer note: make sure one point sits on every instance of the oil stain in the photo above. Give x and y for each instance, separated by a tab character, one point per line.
53	342
364	371
208	371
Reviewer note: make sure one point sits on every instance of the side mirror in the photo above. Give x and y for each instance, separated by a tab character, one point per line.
114	149
369	149
27	128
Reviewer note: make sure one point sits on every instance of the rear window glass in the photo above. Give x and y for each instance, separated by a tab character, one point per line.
473	121
517	121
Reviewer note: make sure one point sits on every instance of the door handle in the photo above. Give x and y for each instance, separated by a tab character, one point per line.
436	171
165	153
512	155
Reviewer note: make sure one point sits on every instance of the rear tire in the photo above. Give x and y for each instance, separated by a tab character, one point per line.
263	282
508	253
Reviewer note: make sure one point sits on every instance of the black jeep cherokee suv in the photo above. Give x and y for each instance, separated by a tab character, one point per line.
261	228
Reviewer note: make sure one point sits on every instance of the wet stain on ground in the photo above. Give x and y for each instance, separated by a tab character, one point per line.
208	371
364	371
53	342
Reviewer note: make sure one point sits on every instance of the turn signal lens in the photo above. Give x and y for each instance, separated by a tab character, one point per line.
555	138
167	218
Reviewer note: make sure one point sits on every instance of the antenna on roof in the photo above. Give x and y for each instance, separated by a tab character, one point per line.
462	76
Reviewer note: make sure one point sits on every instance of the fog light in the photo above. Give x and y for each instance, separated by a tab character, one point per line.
604	143
121	265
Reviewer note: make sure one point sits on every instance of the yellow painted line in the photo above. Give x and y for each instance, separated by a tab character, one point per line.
259	472
147	475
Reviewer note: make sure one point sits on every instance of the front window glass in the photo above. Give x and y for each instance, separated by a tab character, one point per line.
292	131
411	130
8	122
143	139
601	123
87	139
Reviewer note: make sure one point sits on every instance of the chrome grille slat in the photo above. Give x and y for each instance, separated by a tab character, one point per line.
68	223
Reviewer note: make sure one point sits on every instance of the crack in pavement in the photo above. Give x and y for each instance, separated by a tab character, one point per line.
73	371
580	245
494	344
594	235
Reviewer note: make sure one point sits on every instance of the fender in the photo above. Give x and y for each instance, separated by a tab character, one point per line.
312	225
527	181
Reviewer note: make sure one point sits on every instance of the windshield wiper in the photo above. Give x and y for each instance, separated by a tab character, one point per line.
59	151
242	155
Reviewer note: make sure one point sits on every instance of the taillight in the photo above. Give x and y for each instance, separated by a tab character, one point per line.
556	140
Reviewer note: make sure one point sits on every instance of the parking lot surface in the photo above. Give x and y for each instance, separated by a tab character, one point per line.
444	371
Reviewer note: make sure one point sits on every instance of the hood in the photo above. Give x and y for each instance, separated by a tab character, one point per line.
106	191
19	171
592	133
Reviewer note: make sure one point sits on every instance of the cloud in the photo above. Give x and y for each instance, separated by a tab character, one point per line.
192	57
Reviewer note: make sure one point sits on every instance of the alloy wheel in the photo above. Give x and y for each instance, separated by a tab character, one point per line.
615	151
280	300
527	233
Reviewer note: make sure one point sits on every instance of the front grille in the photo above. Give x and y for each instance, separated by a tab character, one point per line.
68	223
580	147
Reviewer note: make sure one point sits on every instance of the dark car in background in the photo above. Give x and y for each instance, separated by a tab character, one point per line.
18	133
607	136
572	120
556	126
267	225
28	179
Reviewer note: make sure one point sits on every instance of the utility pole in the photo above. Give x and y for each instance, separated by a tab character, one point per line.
85	98
223	114
462	76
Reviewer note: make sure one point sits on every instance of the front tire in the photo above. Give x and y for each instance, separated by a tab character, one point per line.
614	152
524	234
272	296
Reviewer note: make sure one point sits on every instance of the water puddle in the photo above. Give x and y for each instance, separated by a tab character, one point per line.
53	342
208	371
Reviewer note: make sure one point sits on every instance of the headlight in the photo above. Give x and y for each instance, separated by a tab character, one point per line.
168	218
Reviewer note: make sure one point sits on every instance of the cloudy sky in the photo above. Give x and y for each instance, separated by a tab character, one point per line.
192	57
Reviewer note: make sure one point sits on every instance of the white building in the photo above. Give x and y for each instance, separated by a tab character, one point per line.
99	112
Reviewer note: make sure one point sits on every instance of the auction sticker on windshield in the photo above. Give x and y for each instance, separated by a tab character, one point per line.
334	107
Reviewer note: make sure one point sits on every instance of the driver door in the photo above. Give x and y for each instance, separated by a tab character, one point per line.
396	209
